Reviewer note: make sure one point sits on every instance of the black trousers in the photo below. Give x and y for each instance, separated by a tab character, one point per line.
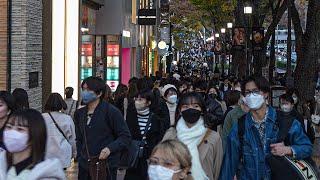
83	174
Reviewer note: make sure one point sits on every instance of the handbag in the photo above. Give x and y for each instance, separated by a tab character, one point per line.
130	156
97	167
285	167
288	168
282	168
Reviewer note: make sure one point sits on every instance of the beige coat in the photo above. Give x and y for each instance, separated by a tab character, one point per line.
57	146
210	152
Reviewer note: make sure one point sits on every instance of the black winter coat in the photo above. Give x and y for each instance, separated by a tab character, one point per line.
107	128
154	136
310	132
214	108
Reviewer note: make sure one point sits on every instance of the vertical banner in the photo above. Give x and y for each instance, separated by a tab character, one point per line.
99	61
86	56
112	50
257	38
238	38
217	47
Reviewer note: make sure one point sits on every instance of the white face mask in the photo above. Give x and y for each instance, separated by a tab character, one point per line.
172	99
254	102
286	108
237	89
15	141
157	172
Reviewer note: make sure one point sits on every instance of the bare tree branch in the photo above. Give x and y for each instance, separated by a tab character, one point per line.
296	24
275	21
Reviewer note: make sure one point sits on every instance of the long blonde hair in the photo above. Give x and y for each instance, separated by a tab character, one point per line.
175	149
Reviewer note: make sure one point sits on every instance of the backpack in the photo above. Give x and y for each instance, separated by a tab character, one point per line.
282	167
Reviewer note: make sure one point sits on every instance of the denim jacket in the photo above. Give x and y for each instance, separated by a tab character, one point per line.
254	165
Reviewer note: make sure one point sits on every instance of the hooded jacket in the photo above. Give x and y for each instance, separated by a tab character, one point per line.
50	169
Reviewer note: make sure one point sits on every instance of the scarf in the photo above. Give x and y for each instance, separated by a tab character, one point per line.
192	137
172	111
143	117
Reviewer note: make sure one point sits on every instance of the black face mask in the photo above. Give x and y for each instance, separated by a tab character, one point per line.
212	95
191	115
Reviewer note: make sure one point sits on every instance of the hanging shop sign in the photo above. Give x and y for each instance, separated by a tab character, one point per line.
147	16
238	38
257	38
217	46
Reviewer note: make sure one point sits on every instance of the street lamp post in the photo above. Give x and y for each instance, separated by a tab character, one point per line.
229	26
248	12
217	35
223	31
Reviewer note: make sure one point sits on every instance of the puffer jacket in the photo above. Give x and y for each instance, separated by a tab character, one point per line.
50	169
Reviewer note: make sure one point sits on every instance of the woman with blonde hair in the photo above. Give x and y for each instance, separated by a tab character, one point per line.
170	160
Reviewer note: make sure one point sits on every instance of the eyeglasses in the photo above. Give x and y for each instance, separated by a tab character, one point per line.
254	92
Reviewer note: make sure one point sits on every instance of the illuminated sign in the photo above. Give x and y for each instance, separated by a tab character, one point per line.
112	50
113	61
86	49
112	73
113	85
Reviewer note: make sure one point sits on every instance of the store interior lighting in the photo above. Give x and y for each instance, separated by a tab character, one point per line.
84	30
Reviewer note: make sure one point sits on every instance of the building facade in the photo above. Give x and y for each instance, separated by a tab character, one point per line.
21	48
48	45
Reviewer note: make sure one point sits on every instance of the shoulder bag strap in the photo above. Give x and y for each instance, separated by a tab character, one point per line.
55	123
85	137
241	132
71	107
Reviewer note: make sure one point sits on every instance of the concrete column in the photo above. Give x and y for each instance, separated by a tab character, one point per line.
26	36
3	44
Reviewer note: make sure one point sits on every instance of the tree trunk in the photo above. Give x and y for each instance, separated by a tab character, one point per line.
259	61
308	47
289	74
239	57
260	56
272	60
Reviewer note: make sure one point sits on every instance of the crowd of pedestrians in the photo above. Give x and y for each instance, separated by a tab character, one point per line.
182	126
